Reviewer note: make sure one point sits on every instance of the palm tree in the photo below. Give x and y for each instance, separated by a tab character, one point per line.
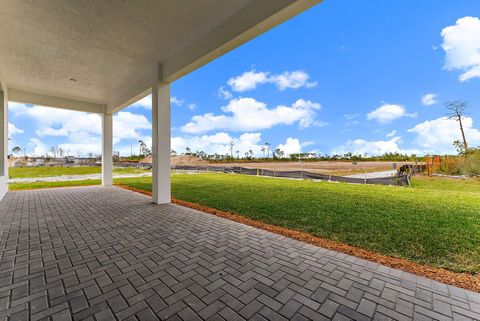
267	146
16	149
231	148
279	153
143	146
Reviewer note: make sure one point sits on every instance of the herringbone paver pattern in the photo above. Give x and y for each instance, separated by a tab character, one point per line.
101	254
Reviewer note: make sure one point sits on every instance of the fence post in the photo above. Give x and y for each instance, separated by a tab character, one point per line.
365	181
301	174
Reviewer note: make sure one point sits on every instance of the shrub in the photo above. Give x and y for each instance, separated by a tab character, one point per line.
471	165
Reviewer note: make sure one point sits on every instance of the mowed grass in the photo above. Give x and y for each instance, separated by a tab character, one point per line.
41	171
435	226
39	185
470	185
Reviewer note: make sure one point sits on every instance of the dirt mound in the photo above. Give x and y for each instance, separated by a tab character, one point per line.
180	160
146	160
187	160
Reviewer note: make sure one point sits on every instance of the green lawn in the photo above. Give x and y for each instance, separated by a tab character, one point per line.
26	172
38	185
438	226
471	185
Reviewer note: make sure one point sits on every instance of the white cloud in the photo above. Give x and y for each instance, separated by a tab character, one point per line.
60	122
391	134
351	116
80	130
362	146
219	143
127	125
461	43
293	79
146	102
248	114
13	130
429	99
388	113
250	79
192	106
224	93
292	146
437	136
174	101
351	120
39	148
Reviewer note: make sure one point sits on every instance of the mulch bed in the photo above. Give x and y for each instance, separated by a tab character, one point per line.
462	280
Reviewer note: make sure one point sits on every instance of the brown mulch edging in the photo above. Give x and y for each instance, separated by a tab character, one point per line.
462	280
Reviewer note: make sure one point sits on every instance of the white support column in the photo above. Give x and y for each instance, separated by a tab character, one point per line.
3	142
161	190
107	149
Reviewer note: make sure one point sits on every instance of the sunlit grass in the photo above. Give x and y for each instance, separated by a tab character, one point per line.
46	171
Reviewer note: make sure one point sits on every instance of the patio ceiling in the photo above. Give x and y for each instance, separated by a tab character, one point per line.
100	56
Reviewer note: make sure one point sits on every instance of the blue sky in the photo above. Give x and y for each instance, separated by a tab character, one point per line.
346	76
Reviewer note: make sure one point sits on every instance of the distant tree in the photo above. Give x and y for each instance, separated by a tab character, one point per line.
143	147
267	147
231	148
279	153
457	111
16	150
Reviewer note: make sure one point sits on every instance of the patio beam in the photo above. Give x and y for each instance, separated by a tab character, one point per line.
3	141
161	189
24	97
107	149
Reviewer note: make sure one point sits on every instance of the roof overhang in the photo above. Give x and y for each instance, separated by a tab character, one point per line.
101	56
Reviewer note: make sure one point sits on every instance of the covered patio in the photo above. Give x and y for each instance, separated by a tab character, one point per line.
100	57
104	253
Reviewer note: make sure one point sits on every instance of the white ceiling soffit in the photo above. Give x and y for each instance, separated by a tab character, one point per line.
100	56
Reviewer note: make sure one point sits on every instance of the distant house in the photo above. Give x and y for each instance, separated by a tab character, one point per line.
69	160
38	162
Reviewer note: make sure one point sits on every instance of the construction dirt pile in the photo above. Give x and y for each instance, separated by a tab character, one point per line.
180	160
